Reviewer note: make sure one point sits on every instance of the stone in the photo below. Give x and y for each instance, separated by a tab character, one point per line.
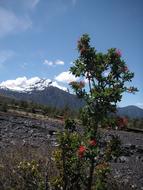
123	159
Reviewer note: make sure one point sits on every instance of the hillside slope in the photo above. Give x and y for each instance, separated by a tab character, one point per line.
51	96
131	112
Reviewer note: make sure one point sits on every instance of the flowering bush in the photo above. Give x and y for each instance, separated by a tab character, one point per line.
106	76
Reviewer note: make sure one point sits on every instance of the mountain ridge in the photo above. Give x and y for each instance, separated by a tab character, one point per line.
53	96
131	111
50	96
23	84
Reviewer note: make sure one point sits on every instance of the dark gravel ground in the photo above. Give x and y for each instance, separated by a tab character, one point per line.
127	170
22	130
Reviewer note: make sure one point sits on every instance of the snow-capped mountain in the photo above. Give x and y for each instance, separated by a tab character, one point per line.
41	91
46	92
22	84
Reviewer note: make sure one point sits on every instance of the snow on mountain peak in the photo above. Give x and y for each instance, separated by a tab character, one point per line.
23	84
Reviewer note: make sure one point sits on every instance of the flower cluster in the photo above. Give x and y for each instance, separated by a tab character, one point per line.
122	122
83	44
83	50
131	89
118	53
77	85
92	142
25	165
82	150
125	69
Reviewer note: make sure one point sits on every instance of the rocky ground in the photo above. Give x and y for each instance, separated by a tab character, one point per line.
23	130
127	170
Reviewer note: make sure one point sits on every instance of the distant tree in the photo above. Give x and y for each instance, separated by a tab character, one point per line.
66	111
23	104
33	110
4	107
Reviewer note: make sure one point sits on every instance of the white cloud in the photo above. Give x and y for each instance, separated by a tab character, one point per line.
51	63
86	80
25	84
66	77
19	83
59	62
11	23
55	84
46	62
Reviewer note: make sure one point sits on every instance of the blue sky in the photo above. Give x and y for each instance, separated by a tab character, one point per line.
38	37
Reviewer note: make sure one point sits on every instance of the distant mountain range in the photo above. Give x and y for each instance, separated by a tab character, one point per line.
42	93
50	96
131	111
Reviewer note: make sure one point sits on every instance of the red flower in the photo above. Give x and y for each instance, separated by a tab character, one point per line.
131	89
82	50
93	142
118	52
125	121
122	122
81	151
81	84
125	69
77	85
